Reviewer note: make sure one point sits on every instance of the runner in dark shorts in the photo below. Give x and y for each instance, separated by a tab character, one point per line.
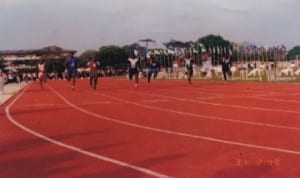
134	67
226	65
71	66
188	63
153	68
93	64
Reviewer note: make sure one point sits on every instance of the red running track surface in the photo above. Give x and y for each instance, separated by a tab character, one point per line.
168	129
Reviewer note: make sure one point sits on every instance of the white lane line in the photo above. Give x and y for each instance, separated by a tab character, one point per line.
60	105
38	105
261	124
277	100
76	149
96	103
264	97
217	104
209	97
245	95
155	101
202	116
257	97
255	90
170	132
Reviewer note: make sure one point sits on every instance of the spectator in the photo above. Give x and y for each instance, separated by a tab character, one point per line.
3	79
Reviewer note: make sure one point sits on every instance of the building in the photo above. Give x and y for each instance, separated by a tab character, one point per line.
26	59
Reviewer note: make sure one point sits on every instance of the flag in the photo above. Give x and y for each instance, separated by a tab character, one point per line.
171	51
156	52
218	49
203	49
195	50
148	55
229	51
214	50
283	48
235	48
201	45
145	53
163	52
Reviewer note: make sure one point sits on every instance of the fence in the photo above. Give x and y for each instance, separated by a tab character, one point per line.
255	71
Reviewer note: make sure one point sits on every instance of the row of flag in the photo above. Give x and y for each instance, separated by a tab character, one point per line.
249	48
199	48
181	51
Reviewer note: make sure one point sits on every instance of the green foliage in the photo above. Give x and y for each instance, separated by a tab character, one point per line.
2	64
26	62
55	65
213	41
112	56
294	52
129	48
84	57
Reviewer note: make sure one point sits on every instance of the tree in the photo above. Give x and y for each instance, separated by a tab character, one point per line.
84	57
112	56
213	41
216	43
134	46
294	52
55	65
177	44
2	64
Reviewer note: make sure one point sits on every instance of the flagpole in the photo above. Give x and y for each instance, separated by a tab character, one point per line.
198	55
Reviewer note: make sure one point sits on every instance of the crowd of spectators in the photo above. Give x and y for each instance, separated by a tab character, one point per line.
16	77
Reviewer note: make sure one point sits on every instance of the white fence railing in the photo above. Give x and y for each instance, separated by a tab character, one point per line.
281	72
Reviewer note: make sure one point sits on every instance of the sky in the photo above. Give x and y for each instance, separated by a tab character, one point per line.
89	24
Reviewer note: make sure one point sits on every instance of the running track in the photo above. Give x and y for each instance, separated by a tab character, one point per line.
171	129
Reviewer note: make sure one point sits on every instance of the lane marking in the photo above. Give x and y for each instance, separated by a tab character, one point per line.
38	105
256	96
206	116
261	124
253	90
155	101
170	132
243	95
60	105
95	103
76	149
209	97
277	100
218	104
